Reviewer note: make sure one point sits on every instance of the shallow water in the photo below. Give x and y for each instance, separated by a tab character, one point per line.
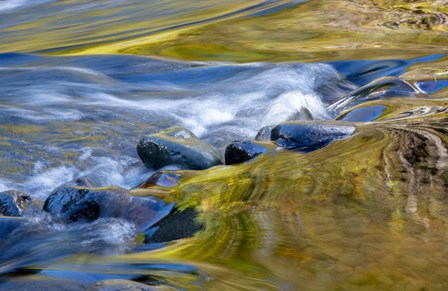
82	81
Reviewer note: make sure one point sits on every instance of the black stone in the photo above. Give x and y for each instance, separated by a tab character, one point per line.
309	136
177	225
242	151
84	211
74	204
177	146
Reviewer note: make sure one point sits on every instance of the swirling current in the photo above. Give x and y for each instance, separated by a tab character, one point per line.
357	201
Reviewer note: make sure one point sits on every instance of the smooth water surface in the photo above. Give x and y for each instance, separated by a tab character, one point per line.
82	81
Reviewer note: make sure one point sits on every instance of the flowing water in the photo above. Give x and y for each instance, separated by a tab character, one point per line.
81	81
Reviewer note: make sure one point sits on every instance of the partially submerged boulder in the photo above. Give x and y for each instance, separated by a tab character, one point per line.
76	204
309	135
177	146
242	151
264	134
12	203
177	225
163	179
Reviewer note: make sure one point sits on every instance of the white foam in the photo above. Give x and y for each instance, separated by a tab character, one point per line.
291	103
8	5
4	185
41	184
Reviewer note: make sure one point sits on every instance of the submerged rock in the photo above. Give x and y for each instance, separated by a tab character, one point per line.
12	203
74	204
308	136
264	134
177	225
242	151
177	146
163	179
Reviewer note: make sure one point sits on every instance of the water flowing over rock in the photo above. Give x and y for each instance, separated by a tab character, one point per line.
73	204
264	134
177	146
308	136
242	151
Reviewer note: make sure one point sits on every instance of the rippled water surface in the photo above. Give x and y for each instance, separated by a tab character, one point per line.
82	81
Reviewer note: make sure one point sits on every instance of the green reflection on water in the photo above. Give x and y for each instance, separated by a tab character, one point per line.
366	212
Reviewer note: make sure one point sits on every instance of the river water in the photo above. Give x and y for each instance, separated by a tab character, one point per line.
82	81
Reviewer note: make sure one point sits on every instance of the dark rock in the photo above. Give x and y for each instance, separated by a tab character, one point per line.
308	136
242	151
13	202
363	114
163	179
74	204
177	146
177	225
264	134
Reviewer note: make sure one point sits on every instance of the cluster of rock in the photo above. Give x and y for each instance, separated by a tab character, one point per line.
179	146
82	205
174	146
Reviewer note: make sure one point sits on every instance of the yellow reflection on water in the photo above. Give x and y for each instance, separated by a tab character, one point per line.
368	212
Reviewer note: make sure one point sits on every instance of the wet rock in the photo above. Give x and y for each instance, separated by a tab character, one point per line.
363	114
264	134
308	136
75	204
177	225
177	146
12	203
163	179
242	151
119	285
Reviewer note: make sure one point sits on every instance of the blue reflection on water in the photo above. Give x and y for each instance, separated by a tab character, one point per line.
363	72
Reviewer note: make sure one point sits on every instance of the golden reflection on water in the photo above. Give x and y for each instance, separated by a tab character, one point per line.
368	212
312	31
